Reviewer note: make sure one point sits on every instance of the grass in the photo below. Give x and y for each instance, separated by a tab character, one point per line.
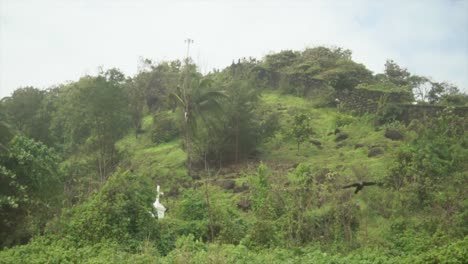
164	163
282	148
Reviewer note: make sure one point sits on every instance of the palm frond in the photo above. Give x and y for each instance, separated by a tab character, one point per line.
176	99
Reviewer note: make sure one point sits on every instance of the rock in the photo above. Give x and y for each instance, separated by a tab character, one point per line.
359	145
244	204
321	175
394	134
230	175
242	188
227	184
316	143
173	192
340	145
139	131
341	137
375	152
197	184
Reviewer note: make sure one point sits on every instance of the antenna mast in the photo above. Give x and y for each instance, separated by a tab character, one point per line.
188	41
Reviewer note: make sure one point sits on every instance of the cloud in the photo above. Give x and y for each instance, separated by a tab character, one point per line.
49	42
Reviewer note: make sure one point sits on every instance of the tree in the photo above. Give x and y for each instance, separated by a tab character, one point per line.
158	82
280	60
136	100
195	98
438	90
24	111
396	74
95	115
5	131
346	74
233	133
240	115
325	58
301	129
30	184
427	90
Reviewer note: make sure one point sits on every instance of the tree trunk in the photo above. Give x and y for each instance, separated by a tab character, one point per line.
237	139
187	145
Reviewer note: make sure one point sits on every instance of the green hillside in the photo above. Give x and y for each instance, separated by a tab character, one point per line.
252	161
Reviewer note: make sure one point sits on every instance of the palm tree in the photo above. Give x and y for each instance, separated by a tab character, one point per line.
195	98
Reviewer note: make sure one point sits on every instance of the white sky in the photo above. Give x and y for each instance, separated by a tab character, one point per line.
43	43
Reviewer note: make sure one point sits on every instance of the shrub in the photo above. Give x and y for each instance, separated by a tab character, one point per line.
342	120
209	214
120	211
165	128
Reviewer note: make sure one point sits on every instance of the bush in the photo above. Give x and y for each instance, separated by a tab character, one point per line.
388	113
342	120
217	220
452	253
59	250
165	128
120	211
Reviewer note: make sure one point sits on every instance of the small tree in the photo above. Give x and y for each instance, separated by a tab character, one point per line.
301	129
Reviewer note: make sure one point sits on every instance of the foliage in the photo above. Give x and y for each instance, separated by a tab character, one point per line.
426	166
265	230
156	81
346	75
342	120
301	72
434	154
387	112
396	74
165	128
210	215
231	135
5	131
301	129
25	111
385	87
120	211
195	97
30	189
95	116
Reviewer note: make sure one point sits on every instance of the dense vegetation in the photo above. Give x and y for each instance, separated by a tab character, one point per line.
252	160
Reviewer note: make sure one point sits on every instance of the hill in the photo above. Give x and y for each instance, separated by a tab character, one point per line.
252	161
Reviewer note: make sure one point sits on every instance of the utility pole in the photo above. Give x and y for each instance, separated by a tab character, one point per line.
188	41
185	87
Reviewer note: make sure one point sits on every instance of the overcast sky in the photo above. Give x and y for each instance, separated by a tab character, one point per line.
44	43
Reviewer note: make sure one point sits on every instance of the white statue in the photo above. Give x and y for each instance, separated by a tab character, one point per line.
160	209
